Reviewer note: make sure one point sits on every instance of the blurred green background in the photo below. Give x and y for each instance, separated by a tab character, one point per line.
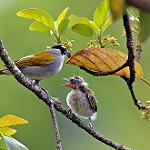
117	118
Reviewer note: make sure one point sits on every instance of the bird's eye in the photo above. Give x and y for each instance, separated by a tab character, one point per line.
65	52
72	81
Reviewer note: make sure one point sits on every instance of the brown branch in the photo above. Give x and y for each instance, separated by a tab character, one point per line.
135	100
55	126
45	97
140	4
129	43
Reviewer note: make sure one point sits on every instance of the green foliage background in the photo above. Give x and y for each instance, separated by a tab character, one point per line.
117	116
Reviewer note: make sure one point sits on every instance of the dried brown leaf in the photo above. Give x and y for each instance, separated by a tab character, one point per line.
104	59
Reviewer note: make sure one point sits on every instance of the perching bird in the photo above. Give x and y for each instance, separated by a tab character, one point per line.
81	100
41	65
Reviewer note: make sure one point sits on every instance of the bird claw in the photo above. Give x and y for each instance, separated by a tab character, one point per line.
68	111
90	123
56	100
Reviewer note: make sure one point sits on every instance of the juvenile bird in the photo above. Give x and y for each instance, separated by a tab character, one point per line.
41	65
81	100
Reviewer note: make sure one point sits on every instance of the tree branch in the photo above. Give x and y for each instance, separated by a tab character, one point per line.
49	100
55	126
130	47
129	43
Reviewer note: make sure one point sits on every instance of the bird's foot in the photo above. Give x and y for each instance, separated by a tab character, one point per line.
68	111
37	82
56	100
90	123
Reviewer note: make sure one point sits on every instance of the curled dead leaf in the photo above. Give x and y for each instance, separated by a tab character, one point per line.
104	59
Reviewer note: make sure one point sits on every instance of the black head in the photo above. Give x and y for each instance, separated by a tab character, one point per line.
62	49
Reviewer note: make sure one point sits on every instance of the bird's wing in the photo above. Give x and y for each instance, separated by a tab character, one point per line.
36	60
92	99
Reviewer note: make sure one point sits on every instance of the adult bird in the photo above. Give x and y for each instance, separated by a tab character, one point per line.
41	65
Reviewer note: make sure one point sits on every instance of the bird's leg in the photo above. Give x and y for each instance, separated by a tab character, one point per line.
37	83
90	122
68	110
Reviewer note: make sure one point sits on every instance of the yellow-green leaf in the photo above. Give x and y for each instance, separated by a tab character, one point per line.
7	131
36	26
100	13
62	27
83	29
62	16
81	20
107	23
104	59
11	120
37	15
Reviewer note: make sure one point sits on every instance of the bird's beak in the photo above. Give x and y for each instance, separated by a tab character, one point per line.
68	54
68	84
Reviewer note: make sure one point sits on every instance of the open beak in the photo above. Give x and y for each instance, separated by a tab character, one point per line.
68	54
68	84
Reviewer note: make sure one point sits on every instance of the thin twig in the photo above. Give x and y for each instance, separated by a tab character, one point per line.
45	97
55	126
129	44
136	101
130	47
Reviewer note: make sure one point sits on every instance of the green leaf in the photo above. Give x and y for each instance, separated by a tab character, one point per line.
62	16
107	23
13	144
36	26
83	29
144	23
62	27
101	13
37	15
80	20
7	131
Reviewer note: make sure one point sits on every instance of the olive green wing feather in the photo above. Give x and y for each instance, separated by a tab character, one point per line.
42	58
